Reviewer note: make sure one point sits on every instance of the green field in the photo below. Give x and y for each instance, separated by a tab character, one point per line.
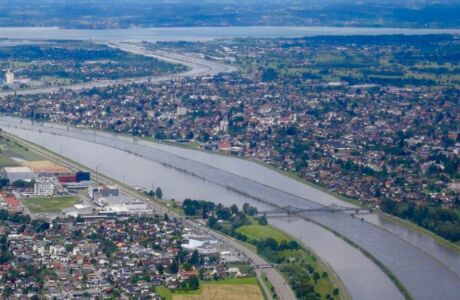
164	292
10	149
246	280
262	232
49	204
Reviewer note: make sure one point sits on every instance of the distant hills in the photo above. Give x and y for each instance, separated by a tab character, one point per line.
168	13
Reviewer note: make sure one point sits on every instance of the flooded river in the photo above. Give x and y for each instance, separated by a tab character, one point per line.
418	261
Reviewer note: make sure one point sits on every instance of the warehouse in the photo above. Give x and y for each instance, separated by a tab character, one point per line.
17	173
47	168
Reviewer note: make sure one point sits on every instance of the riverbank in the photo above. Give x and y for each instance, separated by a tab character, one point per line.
278	281
142	152
405	223
256	232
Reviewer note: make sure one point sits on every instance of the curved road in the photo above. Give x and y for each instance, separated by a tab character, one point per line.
197	67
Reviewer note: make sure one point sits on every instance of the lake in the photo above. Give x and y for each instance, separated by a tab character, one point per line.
200	33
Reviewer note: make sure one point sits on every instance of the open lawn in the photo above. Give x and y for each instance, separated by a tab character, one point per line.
11	149
49	204
259	232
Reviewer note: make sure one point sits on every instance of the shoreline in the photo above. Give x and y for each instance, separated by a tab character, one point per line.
405	223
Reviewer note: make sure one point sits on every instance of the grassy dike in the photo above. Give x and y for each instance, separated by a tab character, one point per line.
386	270
293	175
187	147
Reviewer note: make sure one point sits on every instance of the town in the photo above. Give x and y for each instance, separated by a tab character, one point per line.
64	235
390	142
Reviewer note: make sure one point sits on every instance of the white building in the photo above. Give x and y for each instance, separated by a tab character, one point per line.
9	77
103	191
79	210
181	111
18	173
44	188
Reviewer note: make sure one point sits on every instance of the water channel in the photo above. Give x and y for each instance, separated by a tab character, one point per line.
185	173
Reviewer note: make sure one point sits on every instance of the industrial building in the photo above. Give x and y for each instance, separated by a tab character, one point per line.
9	77
46	168
18	173
95	192
44	187
79	210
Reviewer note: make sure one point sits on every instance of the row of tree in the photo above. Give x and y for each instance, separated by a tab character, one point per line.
443	222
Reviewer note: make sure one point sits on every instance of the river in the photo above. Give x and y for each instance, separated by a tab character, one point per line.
403	251
200	33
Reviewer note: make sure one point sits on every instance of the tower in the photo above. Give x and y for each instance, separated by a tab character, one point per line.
9	76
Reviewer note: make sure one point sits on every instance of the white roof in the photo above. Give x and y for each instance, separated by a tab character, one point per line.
17	170
81	206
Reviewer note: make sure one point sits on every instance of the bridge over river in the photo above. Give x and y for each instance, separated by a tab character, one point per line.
294	211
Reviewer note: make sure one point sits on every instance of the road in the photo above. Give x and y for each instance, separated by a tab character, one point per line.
196	67
282	288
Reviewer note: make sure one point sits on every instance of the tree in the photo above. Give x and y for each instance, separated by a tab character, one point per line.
194	283
262	220
246	207
189	210
160	268
173	268
224	213
159	193
4	182
234	209
269	74
195	258
212	222
187	266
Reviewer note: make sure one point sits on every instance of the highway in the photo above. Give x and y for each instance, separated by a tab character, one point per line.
196	67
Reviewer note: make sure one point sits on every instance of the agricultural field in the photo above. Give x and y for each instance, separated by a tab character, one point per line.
49	204
228	289
396	60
